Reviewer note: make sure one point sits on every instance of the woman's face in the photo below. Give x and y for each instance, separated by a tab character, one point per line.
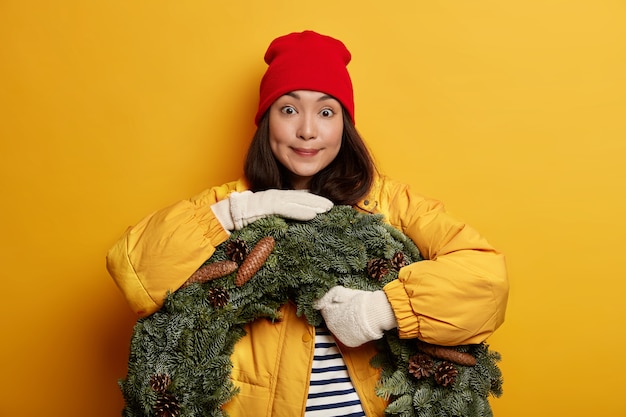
305	134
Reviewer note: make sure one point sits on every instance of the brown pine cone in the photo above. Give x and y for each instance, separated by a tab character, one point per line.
160	382
421	366
447	353
397	261
255	260
446	373
377	268
166	405
237	250
218	297
211	271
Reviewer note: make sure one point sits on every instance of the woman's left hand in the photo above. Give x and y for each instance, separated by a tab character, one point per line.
355	317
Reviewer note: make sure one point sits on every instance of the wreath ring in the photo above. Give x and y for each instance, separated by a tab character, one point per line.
179	363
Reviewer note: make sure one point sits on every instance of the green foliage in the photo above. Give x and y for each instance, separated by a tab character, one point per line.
191	341
468	396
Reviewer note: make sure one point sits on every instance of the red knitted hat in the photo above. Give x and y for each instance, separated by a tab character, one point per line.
306	61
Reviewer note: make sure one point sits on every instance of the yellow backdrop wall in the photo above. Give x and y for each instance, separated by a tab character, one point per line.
510	112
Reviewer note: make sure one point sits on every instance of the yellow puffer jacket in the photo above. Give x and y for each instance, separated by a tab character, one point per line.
272	368
457	295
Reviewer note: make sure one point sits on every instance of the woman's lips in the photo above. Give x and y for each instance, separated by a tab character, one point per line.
306	152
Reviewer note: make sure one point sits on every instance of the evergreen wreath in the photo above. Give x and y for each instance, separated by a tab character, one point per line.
179	363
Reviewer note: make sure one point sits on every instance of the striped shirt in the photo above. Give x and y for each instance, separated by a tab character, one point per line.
331	393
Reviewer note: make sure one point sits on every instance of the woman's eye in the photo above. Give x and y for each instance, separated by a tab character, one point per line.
288	110
327	113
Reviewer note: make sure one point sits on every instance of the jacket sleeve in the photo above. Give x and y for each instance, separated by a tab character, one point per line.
458	293
157	255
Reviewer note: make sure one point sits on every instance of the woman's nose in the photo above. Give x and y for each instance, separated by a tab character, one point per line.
307	128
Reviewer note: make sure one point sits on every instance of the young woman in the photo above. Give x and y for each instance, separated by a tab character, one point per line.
306	156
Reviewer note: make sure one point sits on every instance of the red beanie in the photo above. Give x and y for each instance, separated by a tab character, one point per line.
306	61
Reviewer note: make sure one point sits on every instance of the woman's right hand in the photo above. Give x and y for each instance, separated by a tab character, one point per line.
241	209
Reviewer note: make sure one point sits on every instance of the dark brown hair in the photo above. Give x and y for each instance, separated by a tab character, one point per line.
346	180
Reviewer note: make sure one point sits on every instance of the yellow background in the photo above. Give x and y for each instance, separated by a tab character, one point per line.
511	112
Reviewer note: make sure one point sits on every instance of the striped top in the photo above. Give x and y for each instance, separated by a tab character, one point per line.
331	392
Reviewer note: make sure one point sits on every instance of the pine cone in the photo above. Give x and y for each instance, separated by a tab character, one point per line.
398	261
166	405
446	373
237	250
160	382
377	268
218	297
447	353
211	271
421	366
255	260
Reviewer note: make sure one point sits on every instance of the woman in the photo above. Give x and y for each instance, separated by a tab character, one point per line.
306	155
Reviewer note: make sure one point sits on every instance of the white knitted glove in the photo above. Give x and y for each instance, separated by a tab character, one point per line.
355	317
241	209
